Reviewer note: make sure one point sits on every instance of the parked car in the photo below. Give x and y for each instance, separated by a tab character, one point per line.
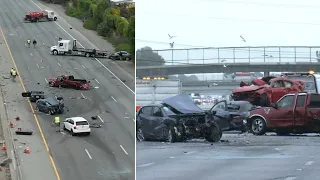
124	54
263	92
77	125
50	105
178	118
235	111
293	113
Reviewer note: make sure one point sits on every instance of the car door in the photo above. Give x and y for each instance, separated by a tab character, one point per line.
278	90
300	111
156	122
282	117
221	114
145	114
70	124
42	106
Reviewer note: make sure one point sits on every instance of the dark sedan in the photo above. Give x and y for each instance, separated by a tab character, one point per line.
235	111
123	54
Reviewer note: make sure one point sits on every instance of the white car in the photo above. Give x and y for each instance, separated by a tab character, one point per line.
77	125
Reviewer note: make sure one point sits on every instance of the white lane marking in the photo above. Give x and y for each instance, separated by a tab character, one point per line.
83	47
31	54
13	160
59	64
83	66
172	157
145	165
63	133
191	152
97	81
123	149
46	80
126	117
38	66
83	96
100	119
88	153
43	43
114	99
290	178
309	163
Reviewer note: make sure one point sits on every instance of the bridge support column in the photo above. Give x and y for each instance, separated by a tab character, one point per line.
266	73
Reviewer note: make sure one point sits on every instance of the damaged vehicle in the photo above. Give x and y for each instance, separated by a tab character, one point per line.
34	95
68	81
263	92
179	119
235	111
50	105
294	113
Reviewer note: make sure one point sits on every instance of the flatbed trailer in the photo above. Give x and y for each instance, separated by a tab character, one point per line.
64	47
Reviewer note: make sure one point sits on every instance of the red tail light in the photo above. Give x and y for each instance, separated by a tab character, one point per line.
74	127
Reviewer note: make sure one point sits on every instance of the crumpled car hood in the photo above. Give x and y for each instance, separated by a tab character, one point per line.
246	89
183	103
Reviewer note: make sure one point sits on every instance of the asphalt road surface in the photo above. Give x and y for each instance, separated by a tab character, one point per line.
241	157
109	152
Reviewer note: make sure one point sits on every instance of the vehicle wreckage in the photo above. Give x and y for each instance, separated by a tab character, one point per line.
263	92
178	119
68	81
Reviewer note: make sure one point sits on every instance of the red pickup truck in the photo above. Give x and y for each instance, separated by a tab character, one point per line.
69	81
294	113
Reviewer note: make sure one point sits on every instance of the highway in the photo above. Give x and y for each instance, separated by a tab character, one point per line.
240	157
109	152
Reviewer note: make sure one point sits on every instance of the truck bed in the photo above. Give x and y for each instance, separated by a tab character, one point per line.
82	81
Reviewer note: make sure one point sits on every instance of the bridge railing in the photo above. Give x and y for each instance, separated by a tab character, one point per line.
228	55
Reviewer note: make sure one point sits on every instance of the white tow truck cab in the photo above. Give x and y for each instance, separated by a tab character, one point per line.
50	15
69	47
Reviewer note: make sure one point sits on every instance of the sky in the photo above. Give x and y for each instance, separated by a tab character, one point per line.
220	23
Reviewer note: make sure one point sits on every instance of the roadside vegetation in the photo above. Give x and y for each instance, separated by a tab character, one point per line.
114	21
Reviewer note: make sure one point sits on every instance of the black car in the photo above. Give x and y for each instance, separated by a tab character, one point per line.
124	54
50	105
178	119
33	95
235	111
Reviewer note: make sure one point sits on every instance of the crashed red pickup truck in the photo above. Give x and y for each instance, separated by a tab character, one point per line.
294	113
263	92
69	81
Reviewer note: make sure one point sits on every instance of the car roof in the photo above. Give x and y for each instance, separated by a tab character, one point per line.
51	100
77	119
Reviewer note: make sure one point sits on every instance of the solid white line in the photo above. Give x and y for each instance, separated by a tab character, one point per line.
123	149
100	119
290	178
309	163
31	54
97	81
46	80
83	47
126	117
88	153
59	64
191	152
114	99
145	165
83	96
83	66
38	66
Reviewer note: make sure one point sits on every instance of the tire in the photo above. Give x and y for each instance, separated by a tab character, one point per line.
88	134
55	19
55	52
172	136
87	54
264	100
64	127
140	136
127	58
214	133
258	126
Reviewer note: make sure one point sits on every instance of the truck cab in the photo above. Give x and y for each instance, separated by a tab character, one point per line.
50	15
311	80
294	113
63	47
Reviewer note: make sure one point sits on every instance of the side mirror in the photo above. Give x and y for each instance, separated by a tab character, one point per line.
274	105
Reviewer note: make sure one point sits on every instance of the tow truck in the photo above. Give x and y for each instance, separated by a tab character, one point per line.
310	78
68	47
43	15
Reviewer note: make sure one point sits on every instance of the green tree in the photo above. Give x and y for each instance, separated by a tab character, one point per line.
131	34
147	57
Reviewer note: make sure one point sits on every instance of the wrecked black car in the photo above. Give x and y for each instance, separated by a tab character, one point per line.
33	95
178	119
50	105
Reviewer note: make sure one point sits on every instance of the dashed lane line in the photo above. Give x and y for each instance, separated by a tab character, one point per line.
123	149
309	163
114	99
88	153
145	165
100	119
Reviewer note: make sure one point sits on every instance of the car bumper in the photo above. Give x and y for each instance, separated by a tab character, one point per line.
77	131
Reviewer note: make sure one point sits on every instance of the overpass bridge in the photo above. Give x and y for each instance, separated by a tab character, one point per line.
232	59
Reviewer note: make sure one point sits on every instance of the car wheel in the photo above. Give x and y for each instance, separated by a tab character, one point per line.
258	126
37	108
55	52
140	136
51	84
127	58
64	127
214	133
88	133
172	137
72	133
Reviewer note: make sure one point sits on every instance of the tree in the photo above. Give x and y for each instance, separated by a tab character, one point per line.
129	31
146	57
